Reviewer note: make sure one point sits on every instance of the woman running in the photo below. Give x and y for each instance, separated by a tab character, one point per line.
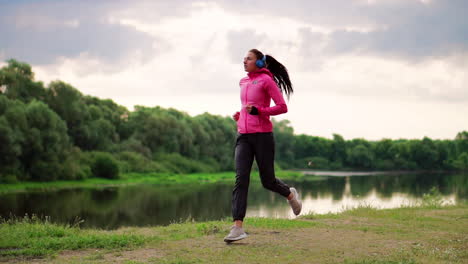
266	79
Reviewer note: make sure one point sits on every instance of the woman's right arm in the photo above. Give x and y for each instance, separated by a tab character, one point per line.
236	116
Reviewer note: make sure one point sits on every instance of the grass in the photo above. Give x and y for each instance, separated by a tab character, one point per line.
423	234
142	178
31	236
36	237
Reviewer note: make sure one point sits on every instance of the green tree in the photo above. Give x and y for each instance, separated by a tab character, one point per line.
18	79
461	162
338	146
284	143
46	142
68	103
360	157
462	142
9	152
424	153
92	123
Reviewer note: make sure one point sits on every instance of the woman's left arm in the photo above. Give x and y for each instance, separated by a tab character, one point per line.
280	106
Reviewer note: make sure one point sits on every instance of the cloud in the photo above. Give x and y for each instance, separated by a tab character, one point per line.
312	44
411	30
408	29
358	76
239	42
330	14
47	32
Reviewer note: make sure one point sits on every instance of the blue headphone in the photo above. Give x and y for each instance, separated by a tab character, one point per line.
261	63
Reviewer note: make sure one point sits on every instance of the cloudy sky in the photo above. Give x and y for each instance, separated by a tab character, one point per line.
361	68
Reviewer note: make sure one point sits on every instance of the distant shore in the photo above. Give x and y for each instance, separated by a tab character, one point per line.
136	178
172	178
365	173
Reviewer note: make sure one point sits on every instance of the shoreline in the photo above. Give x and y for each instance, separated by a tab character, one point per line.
135	179
171	178
342	173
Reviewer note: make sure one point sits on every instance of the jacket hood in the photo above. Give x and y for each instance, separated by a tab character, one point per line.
259	72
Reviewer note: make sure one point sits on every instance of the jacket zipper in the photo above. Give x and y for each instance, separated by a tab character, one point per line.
246	114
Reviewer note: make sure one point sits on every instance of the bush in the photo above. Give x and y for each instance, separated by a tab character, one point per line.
317	163
384	164
8	178
45	170
72	170
336	165
134	146
75	167
104	166
136	162
461	162
177	163
405	164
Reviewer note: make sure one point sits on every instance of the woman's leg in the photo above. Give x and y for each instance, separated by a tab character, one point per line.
265	156
244	158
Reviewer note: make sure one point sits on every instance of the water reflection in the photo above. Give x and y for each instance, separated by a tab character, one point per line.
145	205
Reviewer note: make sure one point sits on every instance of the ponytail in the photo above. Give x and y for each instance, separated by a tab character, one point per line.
279	71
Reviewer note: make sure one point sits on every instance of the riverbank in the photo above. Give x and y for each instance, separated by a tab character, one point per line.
143	178
172	178
429	234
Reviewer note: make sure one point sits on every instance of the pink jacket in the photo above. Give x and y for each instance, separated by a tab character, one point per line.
257	89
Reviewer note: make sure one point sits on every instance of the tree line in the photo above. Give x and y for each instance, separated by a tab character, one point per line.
55	132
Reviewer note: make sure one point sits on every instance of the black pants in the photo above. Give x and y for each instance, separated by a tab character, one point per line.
262	147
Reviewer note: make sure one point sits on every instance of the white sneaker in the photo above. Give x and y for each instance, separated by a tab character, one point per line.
295	203
237	233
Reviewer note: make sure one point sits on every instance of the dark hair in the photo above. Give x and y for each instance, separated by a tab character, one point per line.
278	70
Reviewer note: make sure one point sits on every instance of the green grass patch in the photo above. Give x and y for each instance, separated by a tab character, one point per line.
398	221
31	236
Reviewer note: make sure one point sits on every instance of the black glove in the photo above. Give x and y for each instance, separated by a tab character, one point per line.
254	111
